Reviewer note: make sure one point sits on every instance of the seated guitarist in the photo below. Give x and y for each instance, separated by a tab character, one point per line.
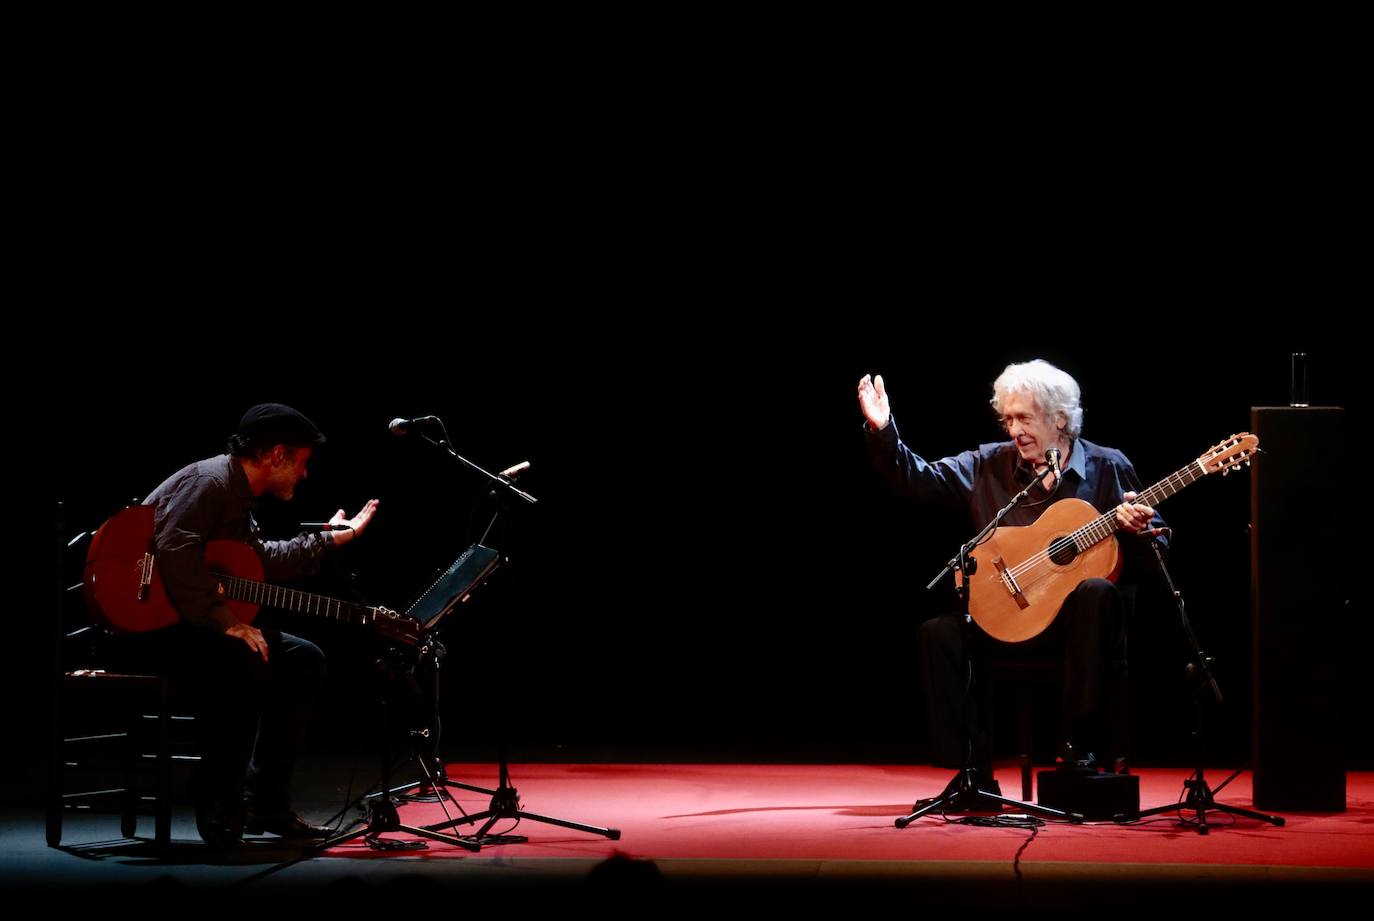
1039	408
256	686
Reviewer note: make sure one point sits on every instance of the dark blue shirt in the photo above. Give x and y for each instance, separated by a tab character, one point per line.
981	482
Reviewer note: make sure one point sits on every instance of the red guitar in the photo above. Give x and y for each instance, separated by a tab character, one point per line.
1024	574
124	591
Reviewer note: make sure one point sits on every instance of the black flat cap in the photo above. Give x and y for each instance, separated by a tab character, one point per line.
277	423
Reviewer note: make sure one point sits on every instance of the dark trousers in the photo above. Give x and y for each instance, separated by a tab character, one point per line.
1089	635
252	714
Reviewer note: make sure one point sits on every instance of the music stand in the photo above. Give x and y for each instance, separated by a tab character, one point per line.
505	799
453	587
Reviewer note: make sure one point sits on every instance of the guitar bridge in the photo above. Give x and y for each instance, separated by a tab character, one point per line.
1009	583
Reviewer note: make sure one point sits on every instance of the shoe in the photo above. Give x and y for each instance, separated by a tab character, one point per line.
285	824
218	825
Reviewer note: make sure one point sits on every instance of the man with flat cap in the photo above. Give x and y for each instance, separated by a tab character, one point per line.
256	686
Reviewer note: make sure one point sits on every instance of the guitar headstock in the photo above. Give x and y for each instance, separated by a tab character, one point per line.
1229	453
396	626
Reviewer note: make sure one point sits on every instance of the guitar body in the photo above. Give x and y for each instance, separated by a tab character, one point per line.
122	585
1016	616
125	592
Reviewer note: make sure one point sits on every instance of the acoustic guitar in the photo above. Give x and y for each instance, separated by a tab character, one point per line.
125	592
1024	574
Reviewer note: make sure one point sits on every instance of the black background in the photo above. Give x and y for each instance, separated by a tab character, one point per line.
666	308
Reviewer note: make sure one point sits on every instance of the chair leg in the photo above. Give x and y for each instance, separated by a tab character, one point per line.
163	783
128	798
57	761
1027	773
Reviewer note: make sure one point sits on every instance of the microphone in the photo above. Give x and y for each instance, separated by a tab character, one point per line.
324	526
1052	458
1157	532
511	473
410	426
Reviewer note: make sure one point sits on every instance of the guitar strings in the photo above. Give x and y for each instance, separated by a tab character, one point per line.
1039	564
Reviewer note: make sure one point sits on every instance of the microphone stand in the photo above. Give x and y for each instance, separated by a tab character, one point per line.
505	799
1201	798
967	784
503	483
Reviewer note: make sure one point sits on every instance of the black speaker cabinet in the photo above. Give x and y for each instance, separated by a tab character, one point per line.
1298	489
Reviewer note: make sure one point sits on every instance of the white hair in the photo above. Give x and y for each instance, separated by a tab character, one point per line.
1054	391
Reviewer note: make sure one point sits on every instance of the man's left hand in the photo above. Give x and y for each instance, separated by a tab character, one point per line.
1132	517
356	524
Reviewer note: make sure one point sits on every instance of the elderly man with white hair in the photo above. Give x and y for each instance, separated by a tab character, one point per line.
1039	409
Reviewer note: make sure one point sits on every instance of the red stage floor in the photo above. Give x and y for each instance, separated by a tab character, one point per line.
845	813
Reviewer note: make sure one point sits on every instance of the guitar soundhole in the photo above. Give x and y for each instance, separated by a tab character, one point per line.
1062	552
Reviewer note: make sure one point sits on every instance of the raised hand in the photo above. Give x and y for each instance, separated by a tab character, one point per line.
873	401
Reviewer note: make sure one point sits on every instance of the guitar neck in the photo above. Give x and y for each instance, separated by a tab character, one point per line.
1106	525
287	599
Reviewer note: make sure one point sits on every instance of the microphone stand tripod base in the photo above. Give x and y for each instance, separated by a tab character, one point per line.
964	788
505	804
381	817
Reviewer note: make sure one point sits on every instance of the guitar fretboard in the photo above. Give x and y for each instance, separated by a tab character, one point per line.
1106	525
288	599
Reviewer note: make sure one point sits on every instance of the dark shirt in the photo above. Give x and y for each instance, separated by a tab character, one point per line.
211	500
982	481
